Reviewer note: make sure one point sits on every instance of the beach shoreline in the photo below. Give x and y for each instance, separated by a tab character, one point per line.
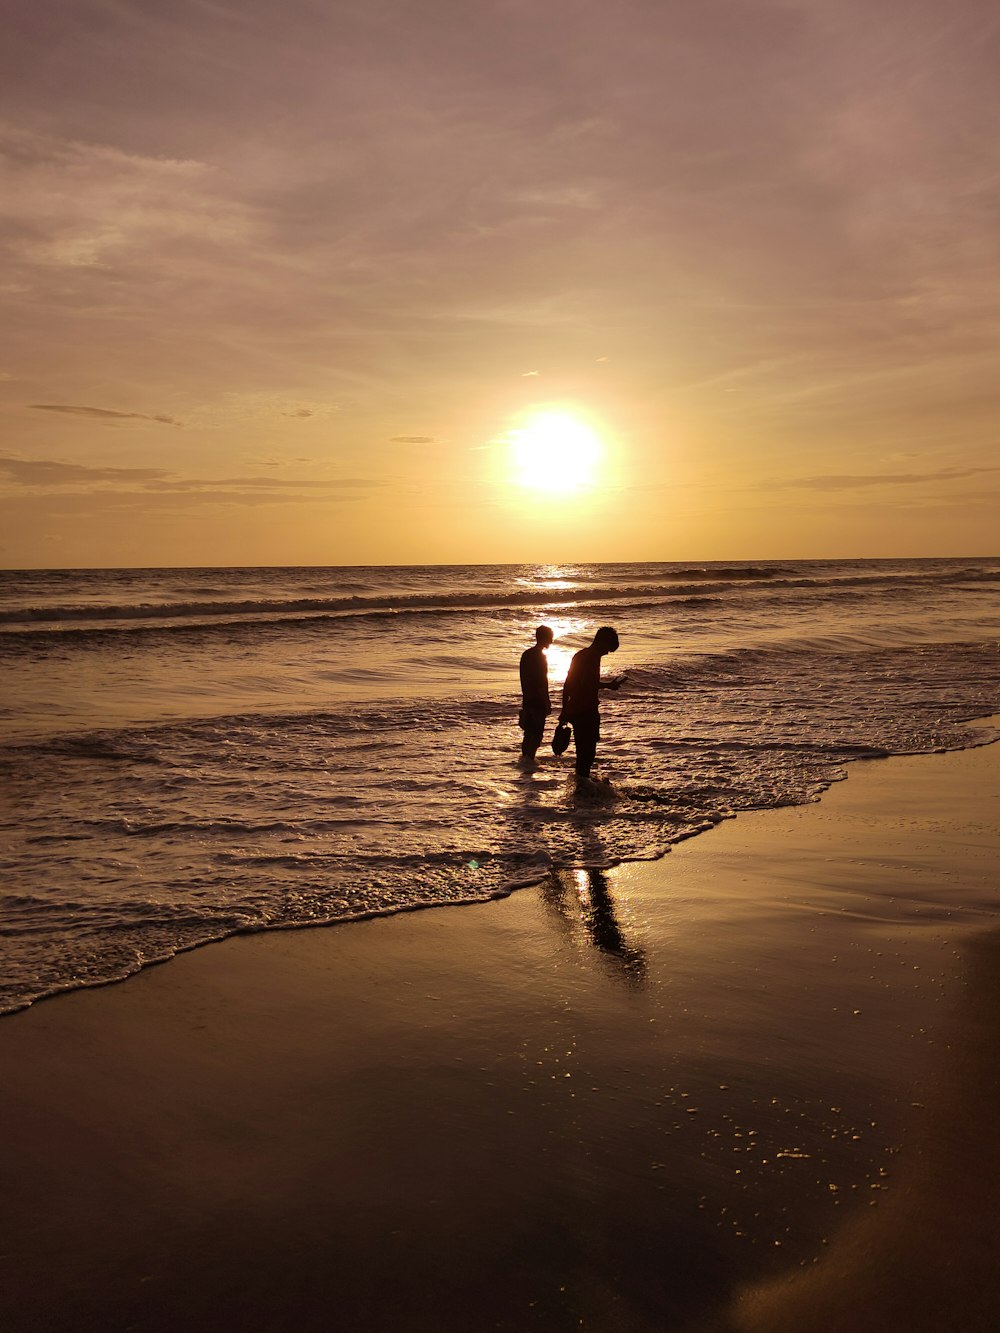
662	1096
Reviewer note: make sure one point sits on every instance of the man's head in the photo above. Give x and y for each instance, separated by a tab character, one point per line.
606	640
543	636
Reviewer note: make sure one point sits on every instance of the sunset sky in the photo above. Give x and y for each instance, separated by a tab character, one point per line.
282	283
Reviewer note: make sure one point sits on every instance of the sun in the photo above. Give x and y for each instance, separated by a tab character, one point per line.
555	451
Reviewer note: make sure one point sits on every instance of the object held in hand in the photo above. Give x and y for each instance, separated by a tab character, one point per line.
561	737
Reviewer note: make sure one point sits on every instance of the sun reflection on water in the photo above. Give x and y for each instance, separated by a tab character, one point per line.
560	653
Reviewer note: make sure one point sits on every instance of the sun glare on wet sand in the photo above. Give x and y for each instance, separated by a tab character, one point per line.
555	451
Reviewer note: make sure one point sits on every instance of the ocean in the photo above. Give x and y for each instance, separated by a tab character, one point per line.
192	753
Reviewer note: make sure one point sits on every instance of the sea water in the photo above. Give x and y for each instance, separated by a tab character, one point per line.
190	753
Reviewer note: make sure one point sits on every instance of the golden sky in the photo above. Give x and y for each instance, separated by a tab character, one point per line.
283	283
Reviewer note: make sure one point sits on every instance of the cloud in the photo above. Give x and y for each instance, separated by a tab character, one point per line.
51	473
271	483
103	413
412	439
254	406
77	205
854	481
90	504
563	196
44	472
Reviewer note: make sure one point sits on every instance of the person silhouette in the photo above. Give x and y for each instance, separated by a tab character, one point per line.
580	697
535	702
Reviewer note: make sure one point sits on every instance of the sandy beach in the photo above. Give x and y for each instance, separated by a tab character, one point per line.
749	1087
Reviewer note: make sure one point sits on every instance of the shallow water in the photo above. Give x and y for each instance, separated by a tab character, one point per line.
196	752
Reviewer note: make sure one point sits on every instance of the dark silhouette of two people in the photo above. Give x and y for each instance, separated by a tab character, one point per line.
580	697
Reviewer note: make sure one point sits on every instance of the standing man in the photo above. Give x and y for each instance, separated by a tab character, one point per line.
580	702
535	702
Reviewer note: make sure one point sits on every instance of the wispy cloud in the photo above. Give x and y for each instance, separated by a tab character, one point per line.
93	503
272	483
411	439
50	473
46	472
83	205
102	413
856	481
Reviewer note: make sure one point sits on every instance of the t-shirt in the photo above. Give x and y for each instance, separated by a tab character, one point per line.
535	679
583	682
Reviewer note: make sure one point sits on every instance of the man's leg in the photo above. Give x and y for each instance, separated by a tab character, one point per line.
586	730
533	725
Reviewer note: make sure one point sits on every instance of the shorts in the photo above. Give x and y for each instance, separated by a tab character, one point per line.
532	723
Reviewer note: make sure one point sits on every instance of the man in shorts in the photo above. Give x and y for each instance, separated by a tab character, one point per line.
535	702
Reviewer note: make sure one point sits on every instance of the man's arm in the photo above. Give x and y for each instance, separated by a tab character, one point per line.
567	690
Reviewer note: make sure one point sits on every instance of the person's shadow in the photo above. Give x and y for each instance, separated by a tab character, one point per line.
583	897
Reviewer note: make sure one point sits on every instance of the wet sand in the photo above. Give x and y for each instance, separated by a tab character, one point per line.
750	1087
